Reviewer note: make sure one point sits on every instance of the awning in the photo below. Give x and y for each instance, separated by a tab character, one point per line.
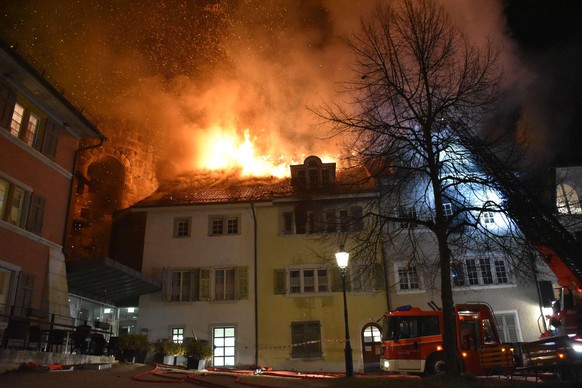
109	281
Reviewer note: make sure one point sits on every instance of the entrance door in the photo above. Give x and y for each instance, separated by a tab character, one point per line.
371	342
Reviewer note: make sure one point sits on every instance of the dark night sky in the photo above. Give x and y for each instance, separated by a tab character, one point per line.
181	65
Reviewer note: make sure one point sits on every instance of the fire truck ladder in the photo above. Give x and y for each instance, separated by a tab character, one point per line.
536	222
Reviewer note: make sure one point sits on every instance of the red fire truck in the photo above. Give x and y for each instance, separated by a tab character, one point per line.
413	343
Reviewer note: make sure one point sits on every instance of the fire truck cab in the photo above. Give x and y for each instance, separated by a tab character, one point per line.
412	339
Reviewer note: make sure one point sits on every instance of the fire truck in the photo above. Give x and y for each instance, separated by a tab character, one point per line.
412	341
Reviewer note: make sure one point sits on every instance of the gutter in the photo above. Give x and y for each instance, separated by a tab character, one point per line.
255	285
102	140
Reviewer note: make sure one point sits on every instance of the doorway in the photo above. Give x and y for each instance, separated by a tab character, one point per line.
371	343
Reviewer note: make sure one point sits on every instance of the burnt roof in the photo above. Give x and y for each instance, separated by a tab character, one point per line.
198	188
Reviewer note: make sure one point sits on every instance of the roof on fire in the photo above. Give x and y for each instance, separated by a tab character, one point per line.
214	188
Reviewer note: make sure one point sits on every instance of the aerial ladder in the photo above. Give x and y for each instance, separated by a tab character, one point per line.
557	246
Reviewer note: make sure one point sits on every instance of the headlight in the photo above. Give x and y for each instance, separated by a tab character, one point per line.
577	348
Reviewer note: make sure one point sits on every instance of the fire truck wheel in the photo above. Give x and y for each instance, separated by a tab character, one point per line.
435	364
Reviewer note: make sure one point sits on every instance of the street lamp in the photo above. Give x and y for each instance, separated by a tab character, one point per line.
342	258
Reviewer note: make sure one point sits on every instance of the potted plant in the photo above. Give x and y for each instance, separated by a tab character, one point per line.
134	347
168	352
197	352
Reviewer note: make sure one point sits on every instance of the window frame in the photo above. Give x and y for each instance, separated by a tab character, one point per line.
187	285
307	344
488	271
402	275
221	225
314	283
179	227
19	216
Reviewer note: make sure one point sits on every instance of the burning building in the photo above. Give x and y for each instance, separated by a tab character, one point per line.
247	264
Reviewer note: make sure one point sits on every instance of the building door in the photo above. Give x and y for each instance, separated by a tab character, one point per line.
223	341
371	342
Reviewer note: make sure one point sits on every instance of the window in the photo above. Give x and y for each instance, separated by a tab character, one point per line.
288	223
308	280
17	118
224	284
479	272
31	128
331	220
182	226
20	207
178	335
223	341
508	326
447	209
371	334
407	278
206	284
306	339
25	124
395	327
488	217
222	225
407	213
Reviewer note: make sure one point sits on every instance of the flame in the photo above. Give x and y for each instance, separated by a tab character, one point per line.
222	150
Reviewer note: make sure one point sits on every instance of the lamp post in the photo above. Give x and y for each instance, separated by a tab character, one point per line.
342	258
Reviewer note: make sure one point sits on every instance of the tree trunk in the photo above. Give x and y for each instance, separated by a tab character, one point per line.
449	321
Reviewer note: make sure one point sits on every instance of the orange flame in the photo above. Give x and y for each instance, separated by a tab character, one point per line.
223	150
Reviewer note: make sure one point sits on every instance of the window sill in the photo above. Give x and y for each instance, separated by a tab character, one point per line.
484	287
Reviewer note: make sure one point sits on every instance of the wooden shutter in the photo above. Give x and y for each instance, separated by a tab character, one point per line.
195	286
50	139
7	101
242	282
279	281
35	214
204	293
166	285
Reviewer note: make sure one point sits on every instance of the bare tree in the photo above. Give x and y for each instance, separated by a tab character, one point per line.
420	90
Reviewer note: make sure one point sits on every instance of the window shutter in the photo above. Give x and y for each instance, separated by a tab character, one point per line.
24	293
166	284
7	100
35	214
50	139
242	275
204	293
279	281
195	286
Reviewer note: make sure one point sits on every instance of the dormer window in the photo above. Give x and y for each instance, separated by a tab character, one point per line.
313	173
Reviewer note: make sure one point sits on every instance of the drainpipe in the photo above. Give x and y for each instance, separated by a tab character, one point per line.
102	140
255	286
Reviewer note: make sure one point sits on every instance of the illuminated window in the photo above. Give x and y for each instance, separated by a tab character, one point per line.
182	226
223	225
447	209
224	344
372	334
567	200
178	335
306	339
17	117
31	128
